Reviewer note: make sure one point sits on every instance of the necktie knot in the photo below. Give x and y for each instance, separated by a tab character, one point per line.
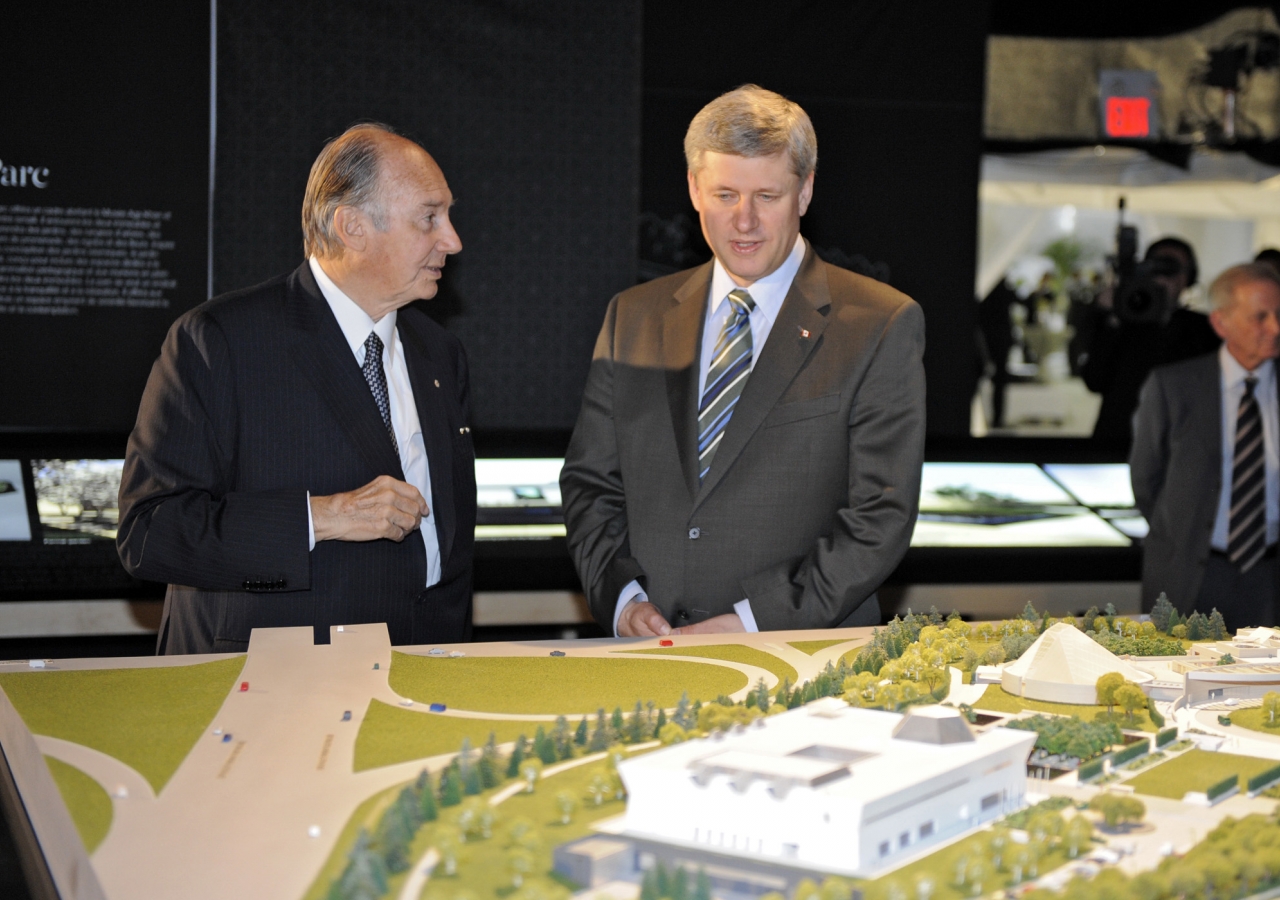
741	302
1249	384
372	348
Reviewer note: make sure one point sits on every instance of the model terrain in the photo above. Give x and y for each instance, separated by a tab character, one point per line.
930	758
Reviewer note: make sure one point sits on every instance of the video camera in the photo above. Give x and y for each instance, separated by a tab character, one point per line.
1139	298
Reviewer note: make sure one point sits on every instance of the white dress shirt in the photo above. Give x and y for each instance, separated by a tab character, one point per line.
356	325
768	294
1232	386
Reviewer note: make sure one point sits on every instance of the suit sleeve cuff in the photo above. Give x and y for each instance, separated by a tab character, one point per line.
311	526
743	609
632	591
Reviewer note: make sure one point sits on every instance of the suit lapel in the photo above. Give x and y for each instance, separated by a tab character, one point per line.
322	353
437	427
681	336
794	335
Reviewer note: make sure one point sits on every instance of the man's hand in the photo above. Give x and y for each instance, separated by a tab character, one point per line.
726	624
383	508
640	619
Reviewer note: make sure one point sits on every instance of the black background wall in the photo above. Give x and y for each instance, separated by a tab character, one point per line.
532	111
113	100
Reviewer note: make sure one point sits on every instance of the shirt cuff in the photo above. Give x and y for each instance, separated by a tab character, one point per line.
311	526
632	591
743	609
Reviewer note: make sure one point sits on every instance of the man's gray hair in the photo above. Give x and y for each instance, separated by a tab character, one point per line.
344	174
1222	292
751	121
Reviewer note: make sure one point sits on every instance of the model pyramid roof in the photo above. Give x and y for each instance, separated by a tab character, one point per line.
1063	666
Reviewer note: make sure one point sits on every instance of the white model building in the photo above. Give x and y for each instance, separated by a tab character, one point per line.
1063	666
828	787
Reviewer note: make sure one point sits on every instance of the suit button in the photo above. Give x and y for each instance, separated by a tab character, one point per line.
695	533
682	614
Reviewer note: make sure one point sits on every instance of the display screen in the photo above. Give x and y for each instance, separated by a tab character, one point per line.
1004	505
518	499
77	499
14	524
1103	485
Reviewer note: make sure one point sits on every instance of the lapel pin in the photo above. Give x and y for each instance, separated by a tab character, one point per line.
437	382
804	332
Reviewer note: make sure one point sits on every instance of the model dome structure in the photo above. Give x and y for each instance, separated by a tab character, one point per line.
1063	666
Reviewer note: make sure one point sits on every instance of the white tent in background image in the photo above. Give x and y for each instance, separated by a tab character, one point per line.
1063	666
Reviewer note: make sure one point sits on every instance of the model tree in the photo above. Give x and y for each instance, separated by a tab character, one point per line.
601	736
1161	612
490	763
566	804
520	863
1106	686
1117	810
1217	629
1271	707
530	770
580	734
1130	698
1077	835
365	877
427	811
450	788
518	753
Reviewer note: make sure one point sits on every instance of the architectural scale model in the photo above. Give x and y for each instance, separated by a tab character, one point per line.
985	757
829	788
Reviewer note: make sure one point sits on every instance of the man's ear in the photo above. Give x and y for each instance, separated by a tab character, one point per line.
351	225
806	193
694	198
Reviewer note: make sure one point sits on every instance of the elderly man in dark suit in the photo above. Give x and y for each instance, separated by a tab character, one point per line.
749	447
1205	464
302	454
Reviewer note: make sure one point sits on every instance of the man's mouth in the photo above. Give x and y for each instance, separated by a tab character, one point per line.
745	246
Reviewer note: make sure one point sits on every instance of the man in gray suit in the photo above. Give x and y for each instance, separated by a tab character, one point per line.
749	447
1205	466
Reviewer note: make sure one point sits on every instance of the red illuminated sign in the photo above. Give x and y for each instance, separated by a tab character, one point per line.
1128	117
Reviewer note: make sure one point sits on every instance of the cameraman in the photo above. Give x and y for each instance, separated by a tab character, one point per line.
1140	325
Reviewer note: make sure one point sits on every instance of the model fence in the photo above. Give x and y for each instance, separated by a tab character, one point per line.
1133	751
1217	790
1262	779
1090	770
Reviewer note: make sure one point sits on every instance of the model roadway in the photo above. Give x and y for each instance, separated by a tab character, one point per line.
238	816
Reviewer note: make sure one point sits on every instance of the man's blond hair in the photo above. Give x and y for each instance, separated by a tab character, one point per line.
751	121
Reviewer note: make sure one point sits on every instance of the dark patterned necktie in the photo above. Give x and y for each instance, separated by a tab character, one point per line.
1247	540
377	378
727	375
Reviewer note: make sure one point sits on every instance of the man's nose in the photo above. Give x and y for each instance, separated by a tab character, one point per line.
450	242
745	217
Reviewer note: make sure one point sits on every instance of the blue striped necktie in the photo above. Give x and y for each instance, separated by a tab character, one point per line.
730	366
1247	540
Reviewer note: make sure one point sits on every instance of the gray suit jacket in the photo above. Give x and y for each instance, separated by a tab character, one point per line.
1176	469
813	492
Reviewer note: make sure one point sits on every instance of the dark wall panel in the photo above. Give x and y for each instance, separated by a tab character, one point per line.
895	93
532	111
110	243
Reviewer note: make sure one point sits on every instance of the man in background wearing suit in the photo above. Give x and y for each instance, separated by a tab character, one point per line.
302	454
749	447
1205	467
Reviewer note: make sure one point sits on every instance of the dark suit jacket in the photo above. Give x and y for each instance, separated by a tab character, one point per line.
1176	470
813	492
255	400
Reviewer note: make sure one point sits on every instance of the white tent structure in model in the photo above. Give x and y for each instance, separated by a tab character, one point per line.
1063	666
